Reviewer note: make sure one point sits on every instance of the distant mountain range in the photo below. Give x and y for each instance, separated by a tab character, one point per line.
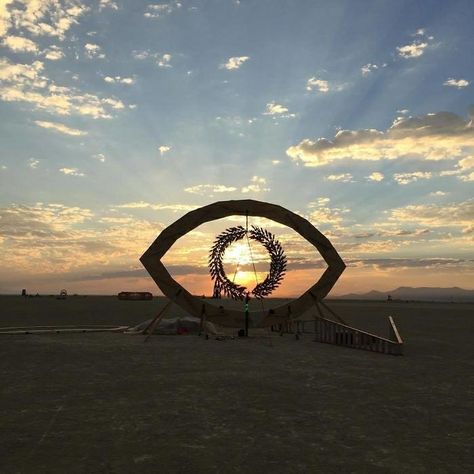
417	294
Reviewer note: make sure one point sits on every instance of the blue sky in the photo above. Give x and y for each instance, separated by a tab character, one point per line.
118	116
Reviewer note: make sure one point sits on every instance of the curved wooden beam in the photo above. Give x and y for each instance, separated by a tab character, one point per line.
194	305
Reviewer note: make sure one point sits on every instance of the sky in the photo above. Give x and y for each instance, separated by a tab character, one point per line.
118	117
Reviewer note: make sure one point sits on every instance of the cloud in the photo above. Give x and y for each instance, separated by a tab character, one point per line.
459	83
164	149
61	128
100	157
434	136
27	83
156	207
464	165
321	85
366	69
273	108
344	177
40	17
71	172
277	111
406	178
54	238
163	60
20	44
103	4
53	53
457	214
375	176
33	163
320	212
412	50
235	62
210	188
257	185
439	193
119	80
93	51
161	9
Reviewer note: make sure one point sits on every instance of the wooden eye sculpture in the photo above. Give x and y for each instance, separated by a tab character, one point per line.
222	284
229	317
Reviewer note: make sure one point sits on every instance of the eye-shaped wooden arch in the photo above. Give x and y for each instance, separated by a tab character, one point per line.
196	306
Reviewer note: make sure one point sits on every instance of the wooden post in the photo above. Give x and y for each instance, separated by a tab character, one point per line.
151	327
203	319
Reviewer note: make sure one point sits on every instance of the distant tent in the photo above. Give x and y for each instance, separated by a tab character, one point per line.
135	295
183	325
62	295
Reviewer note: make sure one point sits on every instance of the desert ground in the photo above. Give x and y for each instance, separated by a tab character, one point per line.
110	403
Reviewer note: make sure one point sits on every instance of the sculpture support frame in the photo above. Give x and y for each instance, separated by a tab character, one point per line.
196	306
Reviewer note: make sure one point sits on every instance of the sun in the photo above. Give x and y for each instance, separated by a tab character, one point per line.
238	261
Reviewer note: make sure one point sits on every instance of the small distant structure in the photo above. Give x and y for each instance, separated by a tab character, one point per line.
135	295
62	295
23	292
389	298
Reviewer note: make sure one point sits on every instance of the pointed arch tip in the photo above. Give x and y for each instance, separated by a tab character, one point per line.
151	260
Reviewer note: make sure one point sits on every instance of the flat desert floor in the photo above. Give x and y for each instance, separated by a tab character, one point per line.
110	403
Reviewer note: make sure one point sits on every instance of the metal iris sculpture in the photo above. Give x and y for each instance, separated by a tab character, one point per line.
223	285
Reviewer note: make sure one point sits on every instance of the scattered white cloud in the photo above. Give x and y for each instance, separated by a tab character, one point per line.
93	51
235	62
435	136
33	163
277	111
320	212
457	214
61	128
71	172
20	44
459	83
322	85
54	239
273	108
438	193
257	185
366	69
343	177
466	163
164	149
27	83
53	53
161	9
100	157
319	84
119	80
412	50
375	176
141	54
406	178
462	170
103	4
156	207
40	17
276	162
164	60
210	189
467	177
